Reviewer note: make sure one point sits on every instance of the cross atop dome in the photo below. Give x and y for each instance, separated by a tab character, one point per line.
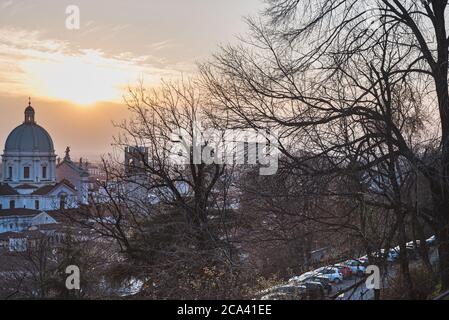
29	113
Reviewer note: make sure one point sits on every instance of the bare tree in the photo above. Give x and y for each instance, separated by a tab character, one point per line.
39	272
351	82
169	212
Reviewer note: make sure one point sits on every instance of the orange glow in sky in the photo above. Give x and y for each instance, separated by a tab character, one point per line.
83	80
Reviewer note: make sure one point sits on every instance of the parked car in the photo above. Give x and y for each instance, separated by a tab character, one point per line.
432	241
412	245
278	296
284	292
390	255
393	255
331	273
324	281
314	290
303	277
356	266
312	277
345	271
411	251
364	260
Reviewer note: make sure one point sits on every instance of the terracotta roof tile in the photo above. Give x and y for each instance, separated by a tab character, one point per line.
81	171
7	235
43	190
26	186
7	190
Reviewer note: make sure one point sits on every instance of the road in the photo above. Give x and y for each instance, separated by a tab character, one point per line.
362	292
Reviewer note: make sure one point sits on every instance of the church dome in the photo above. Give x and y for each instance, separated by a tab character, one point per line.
29	136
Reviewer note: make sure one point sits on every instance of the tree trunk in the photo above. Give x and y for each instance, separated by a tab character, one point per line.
418	233
443	254
442	232
403	259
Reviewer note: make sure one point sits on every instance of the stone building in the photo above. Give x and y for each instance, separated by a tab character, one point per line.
76	173
29	175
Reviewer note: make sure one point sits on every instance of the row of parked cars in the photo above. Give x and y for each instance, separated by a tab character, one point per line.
317	284
392	255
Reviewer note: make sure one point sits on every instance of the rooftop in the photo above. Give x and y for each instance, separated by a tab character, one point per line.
19	212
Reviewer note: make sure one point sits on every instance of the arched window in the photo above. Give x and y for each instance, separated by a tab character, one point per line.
26	172
36	204
44	172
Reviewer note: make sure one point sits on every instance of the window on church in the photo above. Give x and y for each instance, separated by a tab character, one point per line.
12	204
10	172
36	204
62	202
26	172
44	172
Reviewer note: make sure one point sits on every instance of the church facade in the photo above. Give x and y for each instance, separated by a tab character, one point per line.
30	178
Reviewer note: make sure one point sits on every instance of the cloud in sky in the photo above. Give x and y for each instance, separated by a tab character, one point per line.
6	4
56	70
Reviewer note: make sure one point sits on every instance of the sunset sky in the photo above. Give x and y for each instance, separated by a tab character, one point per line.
76	78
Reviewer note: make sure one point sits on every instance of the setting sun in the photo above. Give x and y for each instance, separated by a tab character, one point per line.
84	79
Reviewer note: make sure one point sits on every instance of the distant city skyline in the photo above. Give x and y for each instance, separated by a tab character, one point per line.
76	78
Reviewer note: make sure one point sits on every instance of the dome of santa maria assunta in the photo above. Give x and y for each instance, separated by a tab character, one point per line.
29	137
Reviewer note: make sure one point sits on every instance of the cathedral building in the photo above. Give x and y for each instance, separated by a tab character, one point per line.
76	173
31	178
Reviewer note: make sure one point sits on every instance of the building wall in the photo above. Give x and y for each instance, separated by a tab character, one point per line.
21	223
14	224
18	244
35	163
65	171
45	202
